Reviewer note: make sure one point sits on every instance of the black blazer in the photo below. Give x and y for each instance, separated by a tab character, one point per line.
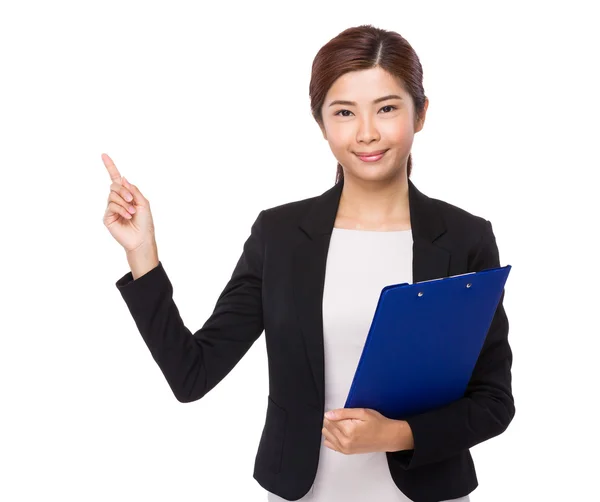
277	286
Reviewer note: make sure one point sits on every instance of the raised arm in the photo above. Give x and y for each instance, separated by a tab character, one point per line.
194	363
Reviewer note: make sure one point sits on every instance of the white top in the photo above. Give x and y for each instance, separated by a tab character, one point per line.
359	264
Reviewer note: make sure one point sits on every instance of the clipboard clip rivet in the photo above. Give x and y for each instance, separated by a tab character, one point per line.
420	293
469	285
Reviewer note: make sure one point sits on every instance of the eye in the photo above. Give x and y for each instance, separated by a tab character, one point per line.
386	106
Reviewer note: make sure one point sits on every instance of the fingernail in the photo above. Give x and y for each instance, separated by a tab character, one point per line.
329	414
128	197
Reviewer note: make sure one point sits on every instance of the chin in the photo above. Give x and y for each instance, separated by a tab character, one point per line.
373	172
374	175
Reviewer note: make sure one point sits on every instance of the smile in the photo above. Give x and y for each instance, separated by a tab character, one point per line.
371	158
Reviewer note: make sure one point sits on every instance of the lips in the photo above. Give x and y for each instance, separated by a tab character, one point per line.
371	157
370	154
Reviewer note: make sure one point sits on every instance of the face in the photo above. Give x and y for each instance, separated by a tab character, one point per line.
363	123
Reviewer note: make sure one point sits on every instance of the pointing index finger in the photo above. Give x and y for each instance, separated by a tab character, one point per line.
111	168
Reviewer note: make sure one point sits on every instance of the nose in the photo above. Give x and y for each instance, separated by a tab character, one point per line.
367	132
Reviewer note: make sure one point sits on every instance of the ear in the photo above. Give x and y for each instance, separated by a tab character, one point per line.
421	121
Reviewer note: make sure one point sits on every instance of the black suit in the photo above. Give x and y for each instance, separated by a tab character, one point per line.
277	286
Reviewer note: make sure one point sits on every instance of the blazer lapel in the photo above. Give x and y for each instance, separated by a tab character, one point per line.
430	261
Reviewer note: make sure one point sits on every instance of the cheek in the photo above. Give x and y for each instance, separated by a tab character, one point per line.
339	141
399	133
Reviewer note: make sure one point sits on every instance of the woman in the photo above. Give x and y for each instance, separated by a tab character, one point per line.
310	275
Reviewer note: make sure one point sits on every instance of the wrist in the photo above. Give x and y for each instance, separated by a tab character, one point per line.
401	437
142	259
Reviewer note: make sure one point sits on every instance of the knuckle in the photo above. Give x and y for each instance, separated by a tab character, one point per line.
117	208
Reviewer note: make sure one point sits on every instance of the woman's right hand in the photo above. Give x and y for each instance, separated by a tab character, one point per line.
130	229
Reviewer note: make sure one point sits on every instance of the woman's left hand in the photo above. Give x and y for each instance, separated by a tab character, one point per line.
360	430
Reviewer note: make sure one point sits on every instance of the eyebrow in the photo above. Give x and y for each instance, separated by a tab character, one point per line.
352	103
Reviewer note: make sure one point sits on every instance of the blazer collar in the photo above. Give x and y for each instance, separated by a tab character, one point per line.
430	261
425	219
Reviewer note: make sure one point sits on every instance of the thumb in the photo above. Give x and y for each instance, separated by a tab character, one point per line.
337	414
345	413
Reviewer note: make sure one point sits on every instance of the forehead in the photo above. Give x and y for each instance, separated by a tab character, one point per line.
365	85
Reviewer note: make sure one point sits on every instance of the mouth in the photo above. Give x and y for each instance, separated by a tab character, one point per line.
370	156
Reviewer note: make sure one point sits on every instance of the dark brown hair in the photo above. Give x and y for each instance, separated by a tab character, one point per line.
360	48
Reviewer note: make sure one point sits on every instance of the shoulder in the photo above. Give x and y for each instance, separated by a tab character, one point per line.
461	224
471	233
290	209
457	217
283	216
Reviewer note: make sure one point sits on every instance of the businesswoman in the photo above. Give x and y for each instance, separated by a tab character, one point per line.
309	276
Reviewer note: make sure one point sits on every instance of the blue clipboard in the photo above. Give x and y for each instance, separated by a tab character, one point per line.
424	341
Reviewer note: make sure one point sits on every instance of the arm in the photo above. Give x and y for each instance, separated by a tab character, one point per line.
195	363
487	407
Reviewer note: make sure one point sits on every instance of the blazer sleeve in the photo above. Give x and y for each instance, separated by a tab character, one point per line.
487	407
195	363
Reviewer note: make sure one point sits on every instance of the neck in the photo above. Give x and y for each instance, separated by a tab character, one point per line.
375	203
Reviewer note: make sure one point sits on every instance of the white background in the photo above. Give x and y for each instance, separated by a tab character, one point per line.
206	109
